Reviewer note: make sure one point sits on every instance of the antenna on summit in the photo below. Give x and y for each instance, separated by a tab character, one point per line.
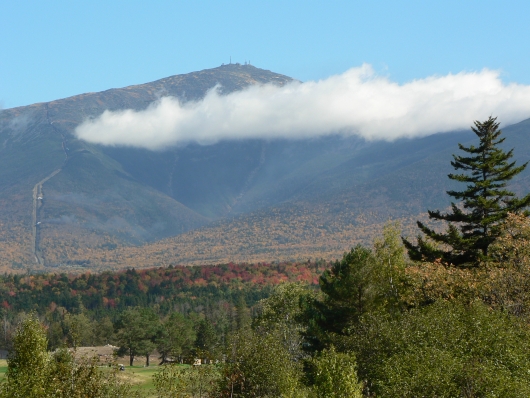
230	60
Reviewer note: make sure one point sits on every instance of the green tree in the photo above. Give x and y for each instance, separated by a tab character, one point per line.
348	288
79	330
104	331
258	365
281	312
206	342
176	339
150	323
363	281
28	366
389	272
137	331
242	314
485	203
335	375
55	334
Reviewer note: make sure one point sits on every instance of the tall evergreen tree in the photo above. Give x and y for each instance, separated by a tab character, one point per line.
484	204
206	339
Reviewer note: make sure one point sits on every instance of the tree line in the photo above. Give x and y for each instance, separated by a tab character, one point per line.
96	302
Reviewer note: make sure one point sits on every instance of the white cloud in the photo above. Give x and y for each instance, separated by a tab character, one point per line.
356	102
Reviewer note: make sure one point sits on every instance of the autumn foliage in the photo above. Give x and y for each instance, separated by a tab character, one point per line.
146	287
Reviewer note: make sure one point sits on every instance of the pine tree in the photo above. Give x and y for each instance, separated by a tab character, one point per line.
484	205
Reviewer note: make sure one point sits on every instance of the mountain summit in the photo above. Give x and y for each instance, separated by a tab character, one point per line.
66	203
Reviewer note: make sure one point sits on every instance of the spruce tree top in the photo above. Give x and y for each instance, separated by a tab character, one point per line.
484	205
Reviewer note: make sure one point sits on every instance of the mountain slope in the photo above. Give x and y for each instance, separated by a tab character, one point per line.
343	206
87	199
349	205
66	203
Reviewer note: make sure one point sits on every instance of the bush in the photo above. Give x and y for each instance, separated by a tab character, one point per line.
184	381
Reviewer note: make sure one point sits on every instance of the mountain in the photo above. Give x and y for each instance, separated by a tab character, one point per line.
66	203
90	200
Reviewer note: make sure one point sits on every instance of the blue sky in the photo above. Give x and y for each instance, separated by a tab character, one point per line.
55	49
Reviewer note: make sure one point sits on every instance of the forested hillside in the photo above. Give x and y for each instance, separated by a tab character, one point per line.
167	288
67	204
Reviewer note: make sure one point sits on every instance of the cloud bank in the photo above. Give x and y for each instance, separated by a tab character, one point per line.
357	102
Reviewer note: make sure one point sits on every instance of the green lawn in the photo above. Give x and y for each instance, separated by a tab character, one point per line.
142	378
3	368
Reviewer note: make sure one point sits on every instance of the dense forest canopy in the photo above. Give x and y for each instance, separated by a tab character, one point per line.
166	287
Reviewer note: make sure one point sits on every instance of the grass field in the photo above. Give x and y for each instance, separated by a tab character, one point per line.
3	368
141	378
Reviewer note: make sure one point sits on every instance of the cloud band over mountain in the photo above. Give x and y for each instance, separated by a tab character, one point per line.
357	102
